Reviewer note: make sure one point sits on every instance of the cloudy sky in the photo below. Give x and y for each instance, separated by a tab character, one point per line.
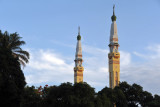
50	27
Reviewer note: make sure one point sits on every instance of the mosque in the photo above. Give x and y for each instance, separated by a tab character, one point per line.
113	57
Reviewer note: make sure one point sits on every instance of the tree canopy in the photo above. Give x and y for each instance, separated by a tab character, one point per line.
13	43
12	80
83	95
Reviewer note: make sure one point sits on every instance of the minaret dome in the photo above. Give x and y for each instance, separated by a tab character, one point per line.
79	36
113	16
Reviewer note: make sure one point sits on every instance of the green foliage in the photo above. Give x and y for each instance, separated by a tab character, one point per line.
60	95
155	102
114	96
12	79
31	98
68	95
84	95
136	96
13	43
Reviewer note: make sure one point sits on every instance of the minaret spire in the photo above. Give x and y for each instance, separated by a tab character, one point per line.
113	16
79	36
113	9
78	69
79	30
114	55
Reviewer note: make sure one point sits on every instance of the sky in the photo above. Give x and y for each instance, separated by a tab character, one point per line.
50	28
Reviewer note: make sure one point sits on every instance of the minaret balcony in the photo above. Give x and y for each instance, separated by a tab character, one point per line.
114	54
78	69
110	55
113	44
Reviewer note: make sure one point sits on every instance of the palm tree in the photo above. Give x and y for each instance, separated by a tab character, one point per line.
13	42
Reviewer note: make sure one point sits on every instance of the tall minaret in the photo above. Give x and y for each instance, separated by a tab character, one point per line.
114	55
78	69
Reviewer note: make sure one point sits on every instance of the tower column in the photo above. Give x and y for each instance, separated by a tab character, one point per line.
114	55
78	69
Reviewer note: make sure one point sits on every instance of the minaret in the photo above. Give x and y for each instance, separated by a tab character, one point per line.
114	55
78	69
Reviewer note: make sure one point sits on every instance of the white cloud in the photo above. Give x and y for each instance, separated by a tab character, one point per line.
145	72
152	52
140	55
51	58
125	58
47	66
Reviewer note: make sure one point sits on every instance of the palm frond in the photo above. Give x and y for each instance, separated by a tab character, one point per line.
22	63
22	57
22	52
16	44
13	42
17	48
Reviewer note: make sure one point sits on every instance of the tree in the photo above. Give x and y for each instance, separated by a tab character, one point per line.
11	76
107	97
103	101
68	95
121	100
132	93
136	96
13	42
145	98
110	97
60	96
84	95
31	97
155	102
12	79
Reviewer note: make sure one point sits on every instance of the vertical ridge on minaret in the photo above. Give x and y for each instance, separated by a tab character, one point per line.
114	55
78	69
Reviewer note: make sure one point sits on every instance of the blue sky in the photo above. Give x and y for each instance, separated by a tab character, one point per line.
50	28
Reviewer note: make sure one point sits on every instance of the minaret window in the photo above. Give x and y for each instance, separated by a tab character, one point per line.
110	75
116	79
116	74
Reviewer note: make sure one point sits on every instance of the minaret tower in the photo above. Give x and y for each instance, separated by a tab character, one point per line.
114	55
78	69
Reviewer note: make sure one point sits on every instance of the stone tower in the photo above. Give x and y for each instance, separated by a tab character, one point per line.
78	69
114	55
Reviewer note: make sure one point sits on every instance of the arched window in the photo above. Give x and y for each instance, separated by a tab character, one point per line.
116	78
110	75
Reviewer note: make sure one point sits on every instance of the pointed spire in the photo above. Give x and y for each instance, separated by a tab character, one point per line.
79	30
79	36
113	9
113	16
